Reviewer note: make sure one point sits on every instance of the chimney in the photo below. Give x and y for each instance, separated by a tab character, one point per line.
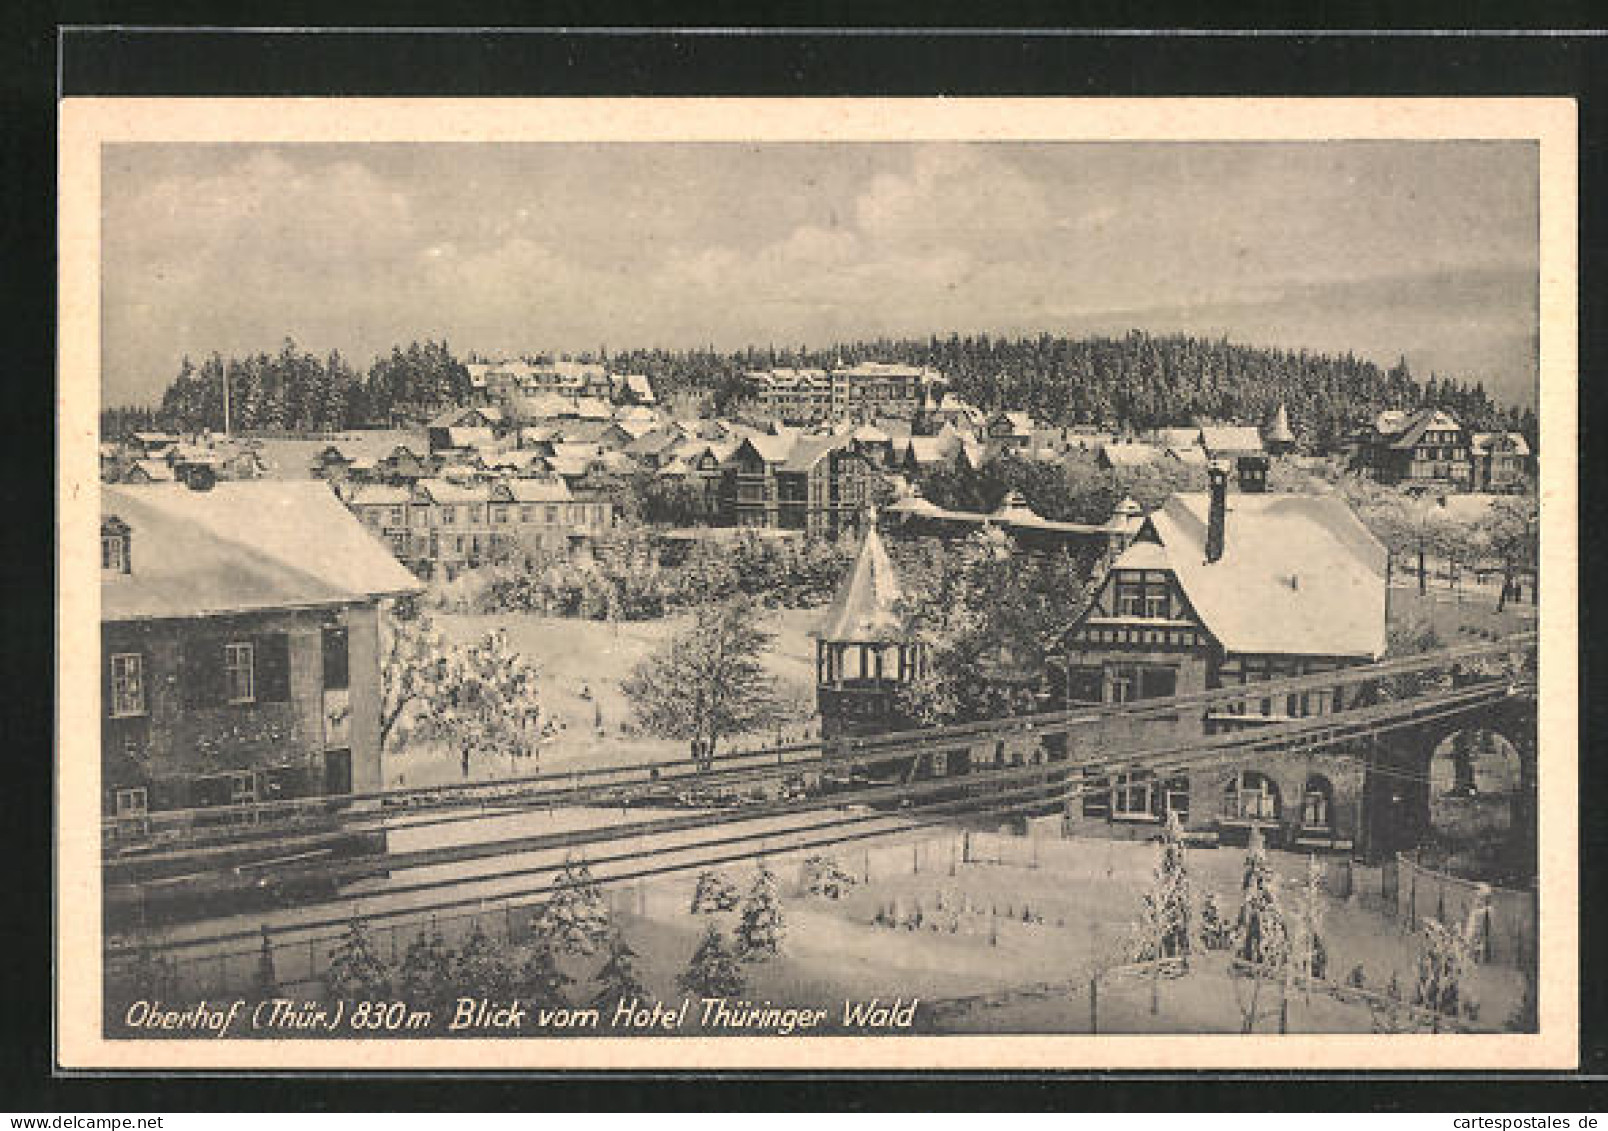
1217	474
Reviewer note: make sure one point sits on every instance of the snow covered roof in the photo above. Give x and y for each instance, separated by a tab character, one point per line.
865	607
1230	439
1299	574
243	546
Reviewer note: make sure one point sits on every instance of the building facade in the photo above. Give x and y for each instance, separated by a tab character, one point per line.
1220	592
1424	450
240	638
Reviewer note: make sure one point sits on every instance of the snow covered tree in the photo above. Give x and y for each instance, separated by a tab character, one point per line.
760	929
707	682
1260	934
1216	933
714	970
356	971
713	892
540	981
427	978
575	919
1168	926
1310	951
481	699
1446	957
619	979
483	968
824	876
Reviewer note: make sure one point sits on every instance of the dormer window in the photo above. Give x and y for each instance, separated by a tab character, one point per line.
115	557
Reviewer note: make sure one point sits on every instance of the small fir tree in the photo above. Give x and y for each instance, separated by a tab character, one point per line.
427	977
760	929
1216	933
1169	929
713	892
825	877
575	919
619	979
714	970
483	968
1260	935
541	982
356	971
1445	958
1311	952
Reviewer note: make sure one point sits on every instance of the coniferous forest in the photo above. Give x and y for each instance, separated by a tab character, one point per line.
1135	381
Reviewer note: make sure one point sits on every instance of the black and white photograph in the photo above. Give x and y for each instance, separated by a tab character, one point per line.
738	593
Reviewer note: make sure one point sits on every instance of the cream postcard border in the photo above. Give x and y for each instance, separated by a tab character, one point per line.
87	124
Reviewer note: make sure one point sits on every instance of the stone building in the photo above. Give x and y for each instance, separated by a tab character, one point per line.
1219	591
240	645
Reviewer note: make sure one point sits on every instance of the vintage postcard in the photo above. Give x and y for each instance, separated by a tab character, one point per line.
841	583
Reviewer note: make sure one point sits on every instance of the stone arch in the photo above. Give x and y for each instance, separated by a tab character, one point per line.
1476	784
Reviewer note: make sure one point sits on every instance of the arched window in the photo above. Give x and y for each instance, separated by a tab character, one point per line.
1317	803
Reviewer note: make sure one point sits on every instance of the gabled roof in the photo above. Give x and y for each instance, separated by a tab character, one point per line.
807	451
1299	575
638	385
546	489
1483	443
865	607
1230	439
1415	426
243	546
1021	423
156	470
1129	455
1178	437
449	492
377	495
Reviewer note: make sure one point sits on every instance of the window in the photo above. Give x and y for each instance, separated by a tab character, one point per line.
499	513
1251	797
239	672
552	516
132	802
1131	796
449	515
337	672
242	788
1175	797
527	513
1126	683
1096	793
1143	595
128	684
114	553
1317	803
398	516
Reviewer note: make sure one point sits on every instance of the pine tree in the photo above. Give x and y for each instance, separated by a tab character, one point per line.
1312	953
1260	935
540	981
619	979
713	892
356	971
1169	906
426	978
1215	931
575	919
483	968
1446	957
760	930
714	970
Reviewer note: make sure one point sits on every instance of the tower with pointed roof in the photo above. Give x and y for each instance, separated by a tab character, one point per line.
863	654
1278	438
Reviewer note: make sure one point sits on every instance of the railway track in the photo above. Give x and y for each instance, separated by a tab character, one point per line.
518	870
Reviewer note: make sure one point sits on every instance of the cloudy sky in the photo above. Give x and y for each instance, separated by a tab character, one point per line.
1426	249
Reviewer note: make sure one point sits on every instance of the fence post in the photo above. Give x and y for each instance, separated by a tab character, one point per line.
1412	899
915	858
965	847
951	856
865	864
1094	1003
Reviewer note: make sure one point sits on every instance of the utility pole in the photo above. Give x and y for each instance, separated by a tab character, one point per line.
225	375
